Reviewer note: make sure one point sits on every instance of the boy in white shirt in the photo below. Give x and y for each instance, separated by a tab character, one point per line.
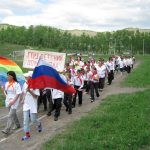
57	97
30	98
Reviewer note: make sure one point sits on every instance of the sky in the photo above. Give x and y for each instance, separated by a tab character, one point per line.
96	15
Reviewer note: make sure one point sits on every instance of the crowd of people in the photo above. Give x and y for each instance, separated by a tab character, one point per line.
85	76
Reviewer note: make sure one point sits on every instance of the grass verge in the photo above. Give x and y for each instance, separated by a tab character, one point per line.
120	122
140	77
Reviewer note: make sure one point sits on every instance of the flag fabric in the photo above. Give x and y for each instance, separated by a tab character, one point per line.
9	65
45	76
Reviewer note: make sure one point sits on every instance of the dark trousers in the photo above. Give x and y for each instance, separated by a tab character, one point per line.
86	86
110	77
68	102
116	68
128	69
79	93
57	106
125	68
49	98
93	87
132	66
42	99
101	83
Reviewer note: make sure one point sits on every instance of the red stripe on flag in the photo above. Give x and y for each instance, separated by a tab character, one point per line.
42	82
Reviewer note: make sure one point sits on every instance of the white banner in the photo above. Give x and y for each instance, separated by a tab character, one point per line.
31	57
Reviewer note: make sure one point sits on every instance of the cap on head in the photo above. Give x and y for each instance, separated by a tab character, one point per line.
28	74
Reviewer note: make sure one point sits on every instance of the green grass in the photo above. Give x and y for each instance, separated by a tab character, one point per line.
1	100
140	77
6	49
121	122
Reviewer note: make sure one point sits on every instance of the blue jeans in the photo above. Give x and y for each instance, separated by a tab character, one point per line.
27	116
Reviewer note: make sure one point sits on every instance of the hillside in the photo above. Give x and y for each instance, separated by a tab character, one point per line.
135	29
80	32
4	26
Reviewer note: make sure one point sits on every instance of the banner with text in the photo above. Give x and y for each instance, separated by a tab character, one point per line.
31	57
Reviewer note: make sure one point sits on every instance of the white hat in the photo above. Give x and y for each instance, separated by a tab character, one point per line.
28	74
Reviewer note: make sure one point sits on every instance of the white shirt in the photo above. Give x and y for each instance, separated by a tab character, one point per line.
57	94
80	63
101	71
85	77
11	92
121	64
78	81
93	80
89	75
129	62
125	62
72	71
30	102
110	65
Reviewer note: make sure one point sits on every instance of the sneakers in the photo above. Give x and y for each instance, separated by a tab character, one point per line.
40	127
16	127
101	90
49	114
70	112
55	118
24	138
92	100
5	132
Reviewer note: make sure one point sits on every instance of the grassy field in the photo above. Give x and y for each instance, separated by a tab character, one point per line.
140	77
120	122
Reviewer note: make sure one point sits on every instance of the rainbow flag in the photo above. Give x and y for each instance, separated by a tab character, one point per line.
9	65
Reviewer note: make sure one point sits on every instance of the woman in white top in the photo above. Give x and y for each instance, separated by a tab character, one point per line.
12	91
78	83
30	97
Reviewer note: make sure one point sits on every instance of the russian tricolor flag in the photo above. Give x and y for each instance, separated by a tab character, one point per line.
45	76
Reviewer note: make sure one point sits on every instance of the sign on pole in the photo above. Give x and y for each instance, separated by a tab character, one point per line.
56	60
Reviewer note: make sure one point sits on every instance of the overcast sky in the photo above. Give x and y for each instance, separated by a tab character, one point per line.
97	15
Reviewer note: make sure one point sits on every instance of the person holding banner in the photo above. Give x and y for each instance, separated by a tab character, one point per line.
30	98
12	91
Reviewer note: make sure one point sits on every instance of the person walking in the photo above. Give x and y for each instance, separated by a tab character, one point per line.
30	99
12	91
78	83
94	84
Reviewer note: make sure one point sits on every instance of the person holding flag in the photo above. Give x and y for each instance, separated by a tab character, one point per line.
45	76
30	98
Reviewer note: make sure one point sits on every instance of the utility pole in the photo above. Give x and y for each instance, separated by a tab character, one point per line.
131	49
143	47
115	47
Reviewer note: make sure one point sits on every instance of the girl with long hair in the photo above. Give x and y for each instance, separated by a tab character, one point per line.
12	91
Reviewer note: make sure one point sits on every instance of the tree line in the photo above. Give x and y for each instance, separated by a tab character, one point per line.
120	41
